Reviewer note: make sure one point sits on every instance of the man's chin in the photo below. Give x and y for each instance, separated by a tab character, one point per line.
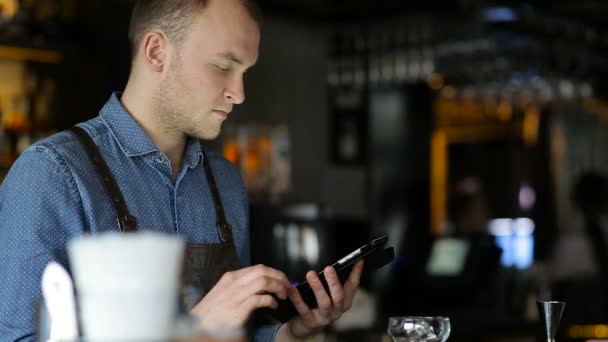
208	135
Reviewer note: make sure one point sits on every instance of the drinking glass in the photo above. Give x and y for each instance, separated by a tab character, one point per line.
419	329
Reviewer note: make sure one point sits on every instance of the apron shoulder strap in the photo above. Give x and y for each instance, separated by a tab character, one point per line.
126	222
223	227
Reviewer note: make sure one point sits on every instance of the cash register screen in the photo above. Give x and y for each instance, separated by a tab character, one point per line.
448	257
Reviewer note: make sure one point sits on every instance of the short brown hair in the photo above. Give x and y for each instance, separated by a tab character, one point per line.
173	17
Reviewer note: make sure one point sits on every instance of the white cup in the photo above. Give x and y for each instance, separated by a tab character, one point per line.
127	284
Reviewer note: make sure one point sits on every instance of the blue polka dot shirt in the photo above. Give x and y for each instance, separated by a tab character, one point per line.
53	193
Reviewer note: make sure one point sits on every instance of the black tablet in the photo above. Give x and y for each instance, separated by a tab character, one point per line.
375	255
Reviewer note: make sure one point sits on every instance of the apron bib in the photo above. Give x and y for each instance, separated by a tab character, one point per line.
203	264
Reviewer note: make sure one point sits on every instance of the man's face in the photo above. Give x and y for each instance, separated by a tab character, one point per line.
204	79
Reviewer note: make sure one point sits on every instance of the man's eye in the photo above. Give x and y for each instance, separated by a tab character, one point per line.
222	68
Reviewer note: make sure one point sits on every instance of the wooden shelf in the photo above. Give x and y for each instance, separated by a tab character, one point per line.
30	54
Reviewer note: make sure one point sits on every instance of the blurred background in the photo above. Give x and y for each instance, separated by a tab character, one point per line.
473	133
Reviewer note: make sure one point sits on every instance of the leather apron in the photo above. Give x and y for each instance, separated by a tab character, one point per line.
203	265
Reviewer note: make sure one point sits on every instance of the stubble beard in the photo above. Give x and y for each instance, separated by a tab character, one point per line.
172	116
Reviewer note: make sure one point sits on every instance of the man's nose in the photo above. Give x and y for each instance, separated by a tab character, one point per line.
235	91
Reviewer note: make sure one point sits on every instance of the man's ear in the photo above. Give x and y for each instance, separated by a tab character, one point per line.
154	46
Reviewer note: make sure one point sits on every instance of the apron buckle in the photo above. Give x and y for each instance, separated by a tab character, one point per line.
127	224
224	230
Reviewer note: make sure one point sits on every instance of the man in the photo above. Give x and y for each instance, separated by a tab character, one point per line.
189	58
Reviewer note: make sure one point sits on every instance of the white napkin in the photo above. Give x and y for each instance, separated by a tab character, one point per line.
58	294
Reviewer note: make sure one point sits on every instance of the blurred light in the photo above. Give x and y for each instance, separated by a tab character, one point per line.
527	197
303	211
435	81
10	7
514	237
293	242
499	14
439	175
546	93
428	66
504	111
500	227
470	185
231	151
448	92
278	231
523	252
448	257
566	89
523	226
310	244
601	330
415	69
586	90
581	331
530	127
506	245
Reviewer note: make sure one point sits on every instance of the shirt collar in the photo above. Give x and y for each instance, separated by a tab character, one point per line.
129	135
194	152
132	138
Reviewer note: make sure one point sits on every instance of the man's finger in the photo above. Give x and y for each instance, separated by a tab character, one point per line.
263	285
355	276
335	288
248	274
299	304
259	301
352	283
323	300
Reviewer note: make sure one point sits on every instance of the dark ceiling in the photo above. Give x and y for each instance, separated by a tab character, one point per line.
563	26
356	9
590	11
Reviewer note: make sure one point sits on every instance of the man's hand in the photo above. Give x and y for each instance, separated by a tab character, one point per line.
331	306
231	301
